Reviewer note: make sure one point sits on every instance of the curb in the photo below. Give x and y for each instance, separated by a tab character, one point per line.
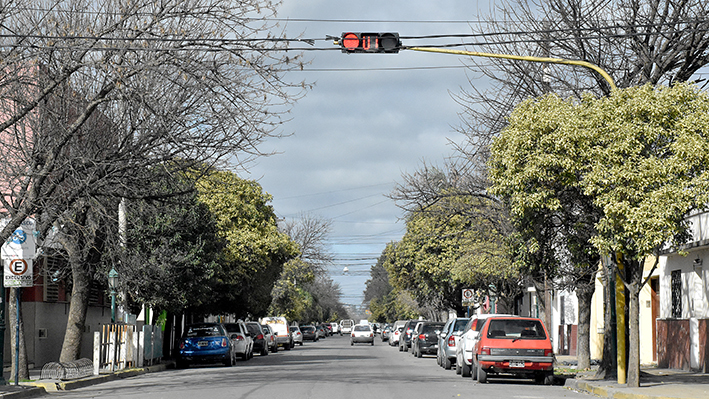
606	392
35	389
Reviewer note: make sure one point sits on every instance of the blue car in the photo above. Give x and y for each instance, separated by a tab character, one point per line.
206	343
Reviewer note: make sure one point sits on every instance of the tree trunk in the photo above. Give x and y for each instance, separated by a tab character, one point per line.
24	372
76	320
635	273
583	341
608	367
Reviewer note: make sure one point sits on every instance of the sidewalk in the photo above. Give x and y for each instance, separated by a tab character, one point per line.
41	387
654	384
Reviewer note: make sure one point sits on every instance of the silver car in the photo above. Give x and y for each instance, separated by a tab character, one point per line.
243	342
448	341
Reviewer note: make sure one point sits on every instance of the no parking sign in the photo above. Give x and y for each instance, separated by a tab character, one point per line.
468	296
18	273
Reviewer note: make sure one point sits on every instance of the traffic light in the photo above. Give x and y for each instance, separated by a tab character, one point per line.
357	42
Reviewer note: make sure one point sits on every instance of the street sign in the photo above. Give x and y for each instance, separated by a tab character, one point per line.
18	273
468	296
21	244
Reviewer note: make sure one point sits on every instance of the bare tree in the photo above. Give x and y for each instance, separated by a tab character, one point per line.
95	93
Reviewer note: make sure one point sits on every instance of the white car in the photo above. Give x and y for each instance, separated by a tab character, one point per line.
464	350
362	333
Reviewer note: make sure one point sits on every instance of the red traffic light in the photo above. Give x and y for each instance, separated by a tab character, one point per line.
357	42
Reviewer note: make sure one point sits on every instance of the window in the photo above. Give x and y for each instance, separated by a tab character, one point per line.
676	286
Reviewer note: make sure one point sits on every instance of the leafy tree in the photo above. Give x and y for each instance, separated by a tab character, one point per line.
255	250
640	155
536	169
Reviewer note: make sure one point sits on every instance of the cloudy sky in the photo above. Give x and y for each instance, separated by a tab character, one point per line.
368	119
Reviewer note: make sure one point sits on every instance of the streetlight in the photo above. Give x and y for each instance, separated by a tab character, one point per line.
112	285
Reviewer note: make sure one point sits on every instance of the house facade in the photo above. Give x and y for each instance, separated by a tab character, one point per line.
684	308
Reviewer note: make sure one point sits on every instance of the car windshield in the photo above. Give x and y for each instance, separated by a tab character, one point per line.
204	331
294	329
265	329
307	329
253	329
429	328
460	324
518	329
361	328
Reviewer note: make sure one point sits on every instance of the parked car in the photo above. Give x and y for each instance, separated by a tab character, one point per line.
386	332
260	344
270	338
427	339
415	335
395	334
322	331
328	329
279	327
297	335
405	337
243	343
335	328
464	349
362	333
514	345
205	343
309	333
448	341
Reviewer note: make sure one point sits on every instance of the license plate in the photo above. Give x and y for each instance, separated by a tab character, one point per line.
203	343
517	364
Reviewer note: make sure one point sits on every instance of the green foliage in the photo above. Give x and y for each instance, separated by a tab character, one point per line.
173	253
639	156
255	250
443	252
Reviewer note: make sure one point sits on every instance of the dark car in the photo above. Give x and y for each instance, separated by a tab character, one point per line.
310	333
427	340
405	338
205	343
260	343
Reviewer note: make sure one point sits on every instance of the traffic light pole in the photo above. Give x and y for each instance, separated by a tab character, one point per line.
563	61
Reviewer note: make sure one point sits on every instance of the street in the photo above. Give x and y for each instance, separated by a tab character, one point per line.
328	369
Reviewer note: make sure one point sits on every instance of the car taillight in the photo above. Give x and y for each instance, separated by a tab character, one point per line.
353	334
451	341
371	334
238	338
548	352
224	343
422	337
260	336
485	351
182	345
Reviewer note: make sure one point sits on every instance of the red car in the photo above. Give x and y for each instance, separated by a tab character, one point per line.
514	346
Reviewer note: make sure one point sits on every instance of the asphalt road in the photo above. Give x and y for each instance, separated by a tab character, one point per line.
328	369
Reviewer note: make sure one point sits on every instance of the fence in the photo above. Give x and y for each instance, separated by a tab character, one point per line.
122	346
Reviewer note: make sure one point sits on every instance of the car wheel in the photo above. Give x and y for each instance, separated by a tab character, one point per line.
401	348
545	377
457	368
447	363
274	349
464	370
418	353
372	342
181	364
351	343
474	371
406	348
482	375
230	361
286	346
264	351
